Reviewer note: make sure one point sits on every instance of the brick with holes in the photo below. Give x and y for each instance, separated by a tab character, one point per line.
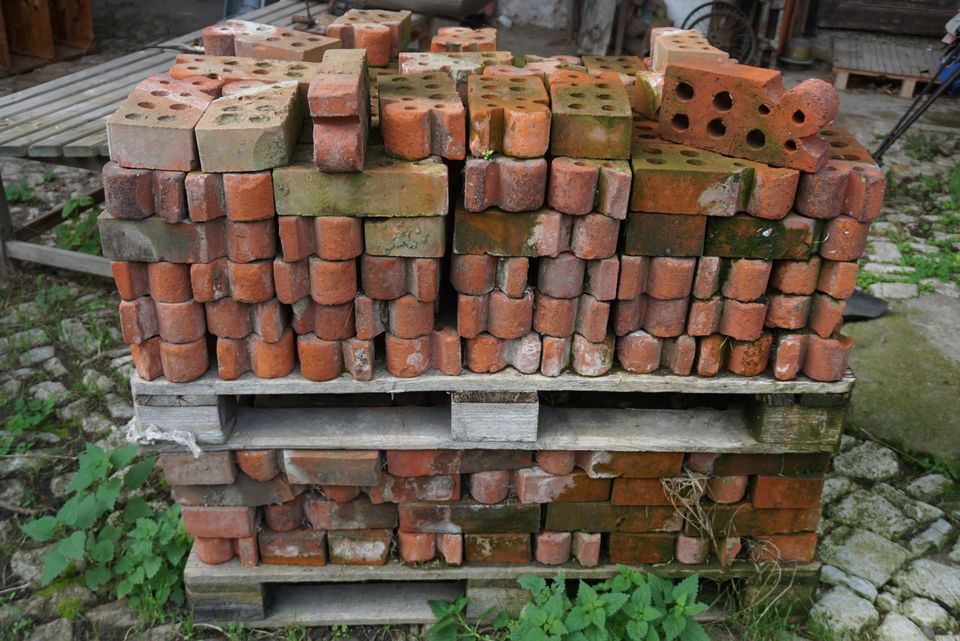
456	39
580	185
508	115
510	184
421	115
264	42
591	116
383	34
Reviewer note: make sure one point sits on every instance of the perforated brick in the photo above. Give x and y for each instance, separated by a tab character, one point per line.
591	116
264	42
421	115
382	33
508	115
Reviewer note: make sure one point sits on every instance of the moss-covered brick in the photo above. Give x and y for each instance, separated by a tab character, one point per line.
605	517
458	65
591	116
419	237
251	129
469	517
153	240
537	233
793	238
664	234
496	549
386	188
508	115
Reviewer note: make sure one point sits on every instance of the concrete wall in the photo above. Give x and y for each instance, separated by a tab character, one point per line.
552	14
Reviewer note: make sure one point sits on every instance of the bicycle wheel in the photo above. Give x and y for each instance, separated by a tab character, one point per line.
708	8
729	31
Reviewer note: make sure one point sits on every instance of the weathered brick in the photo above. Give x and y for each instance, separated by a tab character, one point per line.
826	358
642	465
792	238
510	184
421	115
670	45
407	357
789	352
420	237
826	315
170	199
359	547
496	549
784	548
417	547
746	112
297	547
459	65
464	39
264	42
586	549
850	183
750	357
786	492
606	517
704	316
185	362
759	464
211	468
838	279
711	354
382	33
581	185
538	233
636	549
152	240
787	312
844	239
450	547
660	492
416	489
358	514
591	116
132	279
244	491
639	352
742	321
665	318
557	462
727	489
332	467
385	188
469	517
602	278
534	485
552	548
649	234
555	355
146	359
260	465
473	274
743	519
128	193
153	128
592	359
510	116
678	354
795	277
214	551
138	320
594	236
235	69
490	487
219	522
252	129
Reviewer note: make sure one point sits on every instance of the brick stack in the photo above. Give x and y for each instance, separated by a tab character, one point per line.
308	507
721	236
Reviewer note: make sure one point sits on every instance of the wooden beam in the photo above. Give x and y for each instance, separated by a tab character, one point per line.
60	258
52	217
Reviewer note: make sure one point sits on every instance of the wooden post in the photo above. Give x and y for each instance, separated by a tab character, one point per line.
6	232
596	24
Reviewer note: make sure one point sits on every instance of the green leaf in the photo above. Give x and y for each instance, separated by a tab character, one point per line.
554	605
586	594
123	456
97	577
101	551
637	630
501	622
672	627
108	493
696	609
440	609
81	480
80	512
124	588
72	546
54	564
576	620
694	632
138	473
532	583
686	591
135	509
151	566
443	630
613	602
42	529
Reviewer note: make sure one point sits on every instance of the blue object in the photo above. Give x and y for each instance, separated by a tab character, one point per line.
945	75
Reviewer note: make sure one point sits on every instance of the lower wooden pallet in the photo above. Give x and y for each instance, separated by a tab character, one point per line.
621	411
273	596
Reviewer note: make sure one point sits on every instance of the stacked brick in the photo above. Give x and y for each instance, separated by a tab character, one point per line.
483	507
254	218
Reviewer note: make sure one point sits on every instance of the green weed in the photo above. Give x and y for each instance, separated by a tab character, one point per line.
920	146
79	231
19	192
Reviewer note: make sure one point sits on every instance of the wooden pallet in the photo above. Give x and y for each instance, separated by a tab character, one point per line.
862	57
278	595
36	33
507	410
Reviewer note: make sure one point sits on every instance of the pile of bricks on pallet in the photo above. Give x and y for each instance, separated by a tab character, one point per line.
304	507
683	213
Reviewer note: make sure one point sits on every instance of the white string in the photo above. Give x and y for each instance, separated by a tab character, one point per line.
143	433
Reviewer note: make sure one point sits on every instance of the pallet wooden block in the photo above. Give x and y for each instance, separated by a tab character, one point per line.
279	595
871	58
620	411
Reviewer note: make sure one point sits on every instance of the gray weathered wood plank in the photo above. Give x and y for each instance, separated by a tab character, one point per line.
74	261
508	380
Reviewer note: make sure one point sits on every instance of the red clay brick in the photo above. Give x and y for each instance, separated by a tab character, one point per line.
838	279
552	548
471	315
508	115
580	186
642	465
844	239
787	312
272	360
332	467
490	487
359	547
639	352
407	357
692	550
169	282
185	362
665	318
704	317
169	197
146	359
459	39
296	237
633	277
826	315
299	547
450	547
383	277
601	278
634	549
785	548
285	517
138	320
561	276
750	358
826	358
473	274
219	522
556	317
650	491
535	485
421	115
555	355
670	278
789	351
795	277
269	320
211	468
784	492
228	318
359	514
252	282
248	551
320	360
512	276
727	550
593	318
445	351
249	196
214	551
747	279
677	354
586	549
417	547
406	489
742	321
510	318
510	184
591	359
496	549
711	353
594	236
557	462
727	489
205	199
340	493
333	282
128	193
181	322
707	279
260	465
131	279
410	318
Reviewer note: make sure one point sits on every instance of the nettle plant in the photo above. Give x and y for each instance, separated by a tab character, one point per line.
140	550
632	606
